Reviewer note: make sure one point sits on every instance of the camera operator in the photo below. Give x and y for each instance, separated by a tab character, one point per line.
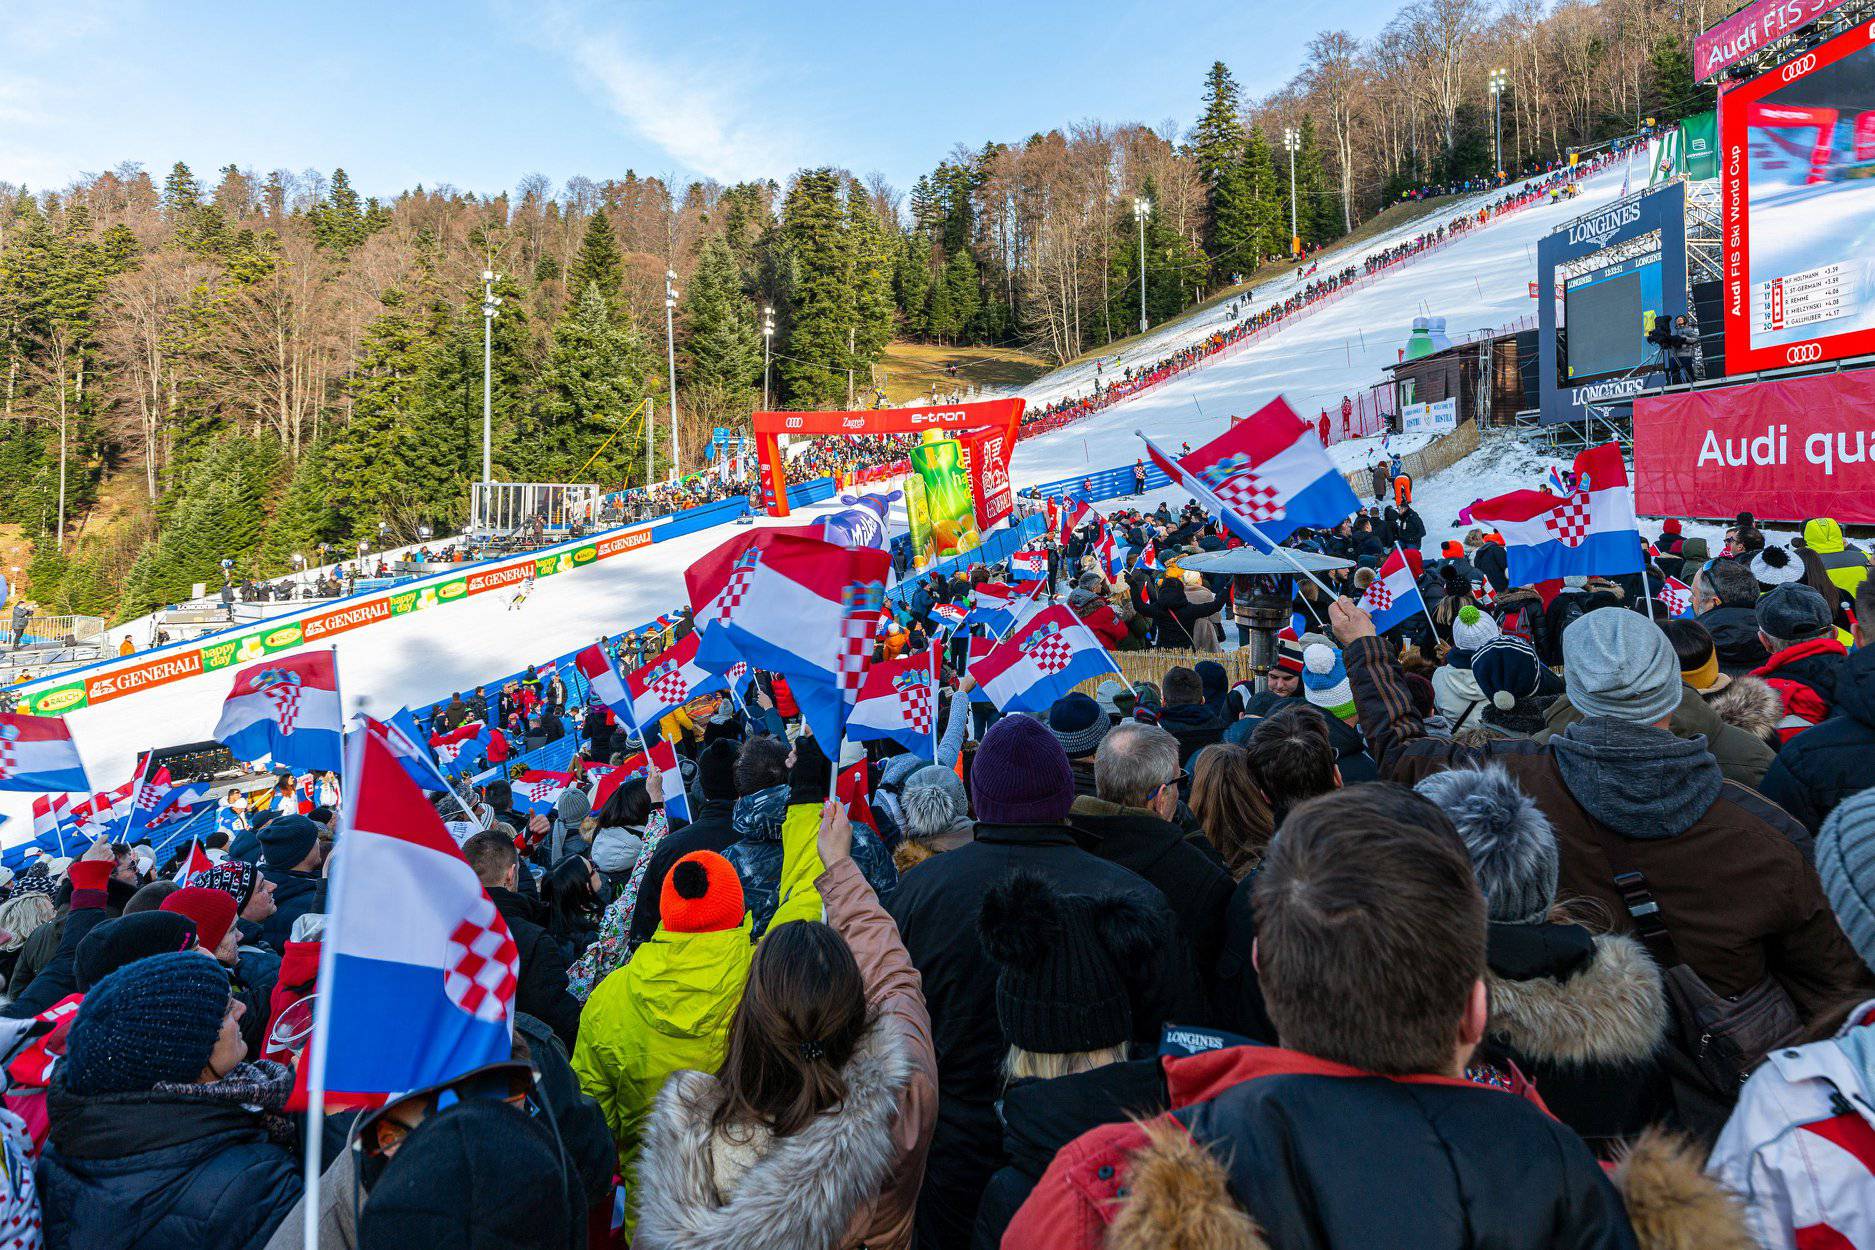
1677	347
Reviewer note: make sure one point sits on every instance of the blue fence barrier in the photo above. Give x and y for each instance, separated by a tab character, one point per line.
997	547
1101	484
701	517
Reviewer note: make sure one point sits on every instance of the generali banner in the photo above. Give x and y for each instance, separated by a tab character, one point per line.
1785	450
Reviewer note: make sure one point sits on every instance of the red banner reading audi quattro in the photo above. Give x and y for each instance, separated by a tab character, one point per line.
1786	450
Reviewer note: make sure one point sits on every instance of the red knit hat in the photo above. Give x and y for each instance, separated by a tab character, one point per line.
1289	650
1452	549
1670	526
212	910
701	894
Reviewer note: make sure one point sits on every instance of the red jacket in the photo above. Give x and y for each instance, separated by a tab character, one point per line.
1080	1193
1804	676
1105	622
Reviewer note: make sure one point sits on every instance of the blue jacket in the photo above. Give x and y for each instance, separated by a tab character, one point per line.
156	1171
757	857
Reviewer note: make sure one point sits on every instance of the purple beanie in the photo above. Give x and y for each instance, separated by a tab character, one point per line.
1021	776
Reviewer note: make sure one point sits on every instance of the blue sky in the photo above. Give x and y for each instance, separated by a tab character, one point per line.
478	93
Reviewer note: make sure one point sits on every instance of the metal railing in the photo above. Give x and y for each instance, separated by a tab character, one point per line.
52	631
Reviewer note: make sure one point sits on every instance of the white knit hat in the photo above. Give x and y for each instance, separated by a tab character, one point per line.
1472	628
1325	681
1776	565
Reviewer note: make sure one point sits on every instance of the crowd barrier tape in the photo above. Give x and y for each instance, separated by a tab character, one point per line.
118	677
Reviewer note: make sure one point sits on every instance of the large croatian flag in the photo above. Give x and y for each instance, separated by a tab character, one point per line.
807	609
898	702
667	682
1394	596
286	710
37	754
1074	515
1268	471
1037	664
1030	562
405	741
709	578
1590	531
418	971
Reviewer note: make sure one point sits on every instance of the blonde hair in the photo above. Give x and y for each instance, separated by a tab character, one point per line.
1040	1065
22	914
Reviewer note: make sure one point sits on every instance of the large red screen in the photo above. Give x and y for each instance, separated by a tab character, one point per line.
1798	179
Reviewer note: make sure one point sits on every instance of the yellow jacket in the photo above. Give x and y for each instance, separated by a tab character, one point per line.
1846	564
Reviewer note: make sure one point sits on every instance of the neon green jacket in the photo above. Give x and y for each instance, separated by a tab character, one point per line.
666	1010
1846	563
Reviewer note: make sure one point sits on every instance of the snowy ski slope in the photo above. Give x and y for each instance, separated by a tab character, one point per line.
1478	281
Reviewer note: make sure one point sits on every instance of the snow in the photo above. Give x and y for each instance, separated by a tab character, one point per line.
1477	281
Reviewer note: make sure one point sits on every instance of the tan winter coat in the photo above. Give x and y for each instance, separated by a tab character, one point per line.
851	1178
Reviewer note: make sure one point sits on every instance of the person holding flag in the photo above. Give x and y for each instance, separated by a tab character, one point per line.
1393	597
1041	661
1591	530
898	703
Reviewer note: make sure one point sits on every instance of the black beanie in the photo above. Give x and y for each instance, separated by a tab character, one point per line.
716	770
1063	984
453	1183
127	939
810	779
287	841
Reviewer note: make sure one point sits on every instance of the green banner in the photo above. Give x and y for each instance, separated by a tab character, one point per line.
446	592
1699	145
585	555
56	699
404	602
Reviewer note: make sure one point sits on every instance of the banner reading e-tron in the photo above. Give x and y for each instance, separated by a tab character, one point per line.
1798	181
1604	281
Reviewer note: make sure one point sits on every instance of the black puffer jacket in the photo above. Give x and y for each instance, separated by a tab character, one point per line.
542	990
294	894
1830	761
161	1172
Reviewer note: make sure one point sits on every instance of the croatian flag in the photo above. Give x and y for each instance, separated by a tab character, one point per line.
1265	477
53	826
898	703
461	746
854	791
607	686
1590	531
1076	514
1678	597
676	799
37	754
1031	562
195	861
1112	557
806	609
417	972
104	811
667	682
998	606
1394	596
947	615
1040	662
405	741
286	710
708	581
1149	554
537	791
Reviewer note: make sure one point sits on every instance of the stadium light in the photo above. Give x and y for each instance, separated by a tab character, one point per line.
1292	141
1500	82
491	303
768	341
670	353
1142	208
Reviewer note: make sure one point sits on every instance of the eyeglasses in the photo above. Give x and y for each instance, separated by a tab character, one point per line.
510	1083
1180	779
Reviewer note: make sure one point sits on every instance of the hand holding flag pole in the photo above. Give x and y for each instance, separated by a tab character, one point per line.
1422	599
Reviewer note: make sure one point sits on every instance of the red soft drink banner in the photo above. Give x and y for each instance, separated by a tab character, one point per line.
988	452
1784	450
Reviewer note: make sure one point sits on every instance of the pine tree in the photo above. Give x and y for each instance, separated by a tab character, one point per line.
306	516
939	316
182	193
722	358
402	442
599	263
1317	197
814	220
1217	147
960	285
598	371
338	223
912	282
873	248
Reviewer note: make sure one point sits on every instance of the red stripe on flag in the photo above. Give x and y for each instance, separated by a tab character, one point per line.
1518	505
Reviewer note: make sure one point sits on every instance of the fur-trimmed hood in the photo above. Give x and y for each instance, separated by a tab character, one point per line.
803	1193
1750	704
1612	1011
1177	1198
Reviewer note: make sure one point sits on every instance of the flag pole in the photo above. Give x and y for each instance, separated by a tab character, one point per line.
1647	587
937	711
1422	598
1257	533
317	1045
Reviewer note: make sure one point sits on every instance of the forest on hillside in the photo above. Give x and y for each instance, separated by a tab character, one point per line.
249	364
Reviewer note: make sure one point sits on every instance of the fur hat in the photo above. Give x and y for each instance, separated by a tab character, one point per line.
1775	565
1066	963
1472	628
1325	681
1512	845
934	777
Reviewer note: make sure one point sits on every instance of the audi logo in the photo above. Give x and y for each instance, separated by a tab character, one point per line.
1803	353
1799	67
